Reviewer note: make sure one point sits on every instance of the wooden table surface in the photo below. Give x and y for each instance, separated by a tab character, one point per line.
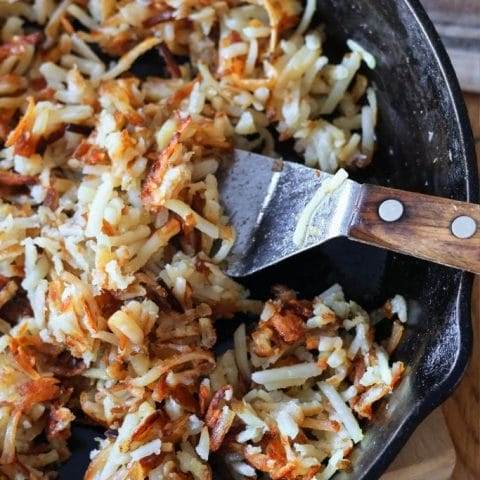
462	410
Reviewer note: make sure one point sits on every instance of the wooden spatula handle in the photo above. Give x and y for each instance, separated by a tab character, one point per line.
436	229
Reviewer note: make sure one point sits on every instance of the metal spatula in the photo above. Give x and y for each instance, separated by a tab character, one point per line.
264	199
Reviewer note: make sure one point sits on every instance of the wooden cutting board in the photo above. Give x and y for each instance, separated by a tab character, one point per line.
428	455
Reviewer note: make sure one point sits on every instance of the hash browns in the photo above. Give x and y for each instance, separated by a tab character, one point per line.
112	235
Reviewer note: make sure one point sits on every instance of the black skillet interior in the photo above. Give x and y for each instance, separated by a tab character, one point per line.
425	145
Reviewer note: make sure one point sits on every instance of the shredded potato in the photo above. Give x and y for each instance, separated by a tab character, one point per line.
299	417
114	119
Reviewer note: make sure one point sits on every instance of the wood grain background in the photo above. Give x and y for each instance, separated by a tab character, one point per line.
468	7
458	22
462	410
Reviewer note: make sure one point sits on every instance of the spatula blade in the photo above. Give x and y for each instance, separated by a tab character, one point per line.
264	197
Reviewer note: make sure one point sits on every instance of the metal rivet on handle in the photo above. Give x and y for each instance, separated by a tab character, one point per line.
390	210
464	226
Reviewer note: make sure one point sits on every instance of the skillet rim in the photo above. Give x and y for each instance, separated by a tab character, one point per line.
462	310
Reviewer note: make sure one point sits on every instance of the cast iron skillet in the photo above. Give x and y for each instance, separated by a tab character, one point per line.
425	145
